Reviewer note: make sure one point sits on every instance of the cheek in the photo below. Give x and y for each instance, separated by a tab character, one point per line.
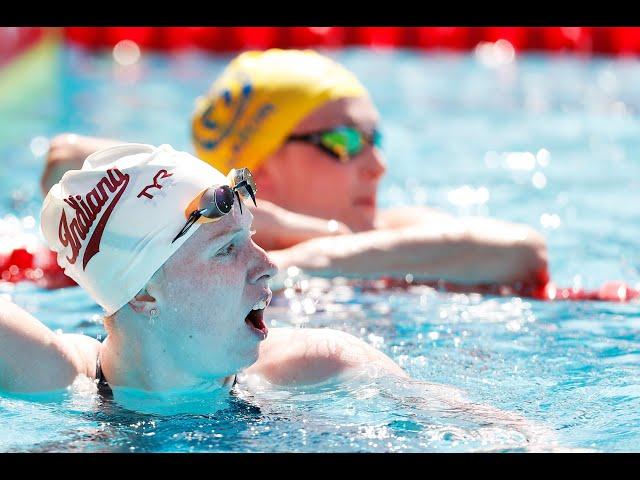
334	186
207	306
206	284
317	182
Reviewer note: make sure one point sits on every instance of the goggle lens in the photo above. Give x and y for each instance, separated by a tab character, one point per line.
348	141
223	197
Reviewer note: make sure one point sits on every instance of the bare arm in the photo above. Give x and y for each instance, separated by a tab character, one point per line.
67	152
277	228
310	356
314	355
465	251
32	357
407	216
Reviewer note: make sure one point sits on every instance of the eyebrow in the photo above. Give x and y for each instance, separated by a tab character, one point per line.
226	233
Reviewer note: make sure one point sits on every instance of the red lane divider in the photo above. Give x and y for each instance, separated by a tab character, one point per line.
518	37
179	38
88	37
375	36
258	38
613	291
625	40
600	40
563	38
145	37
450	38
307	37
38	266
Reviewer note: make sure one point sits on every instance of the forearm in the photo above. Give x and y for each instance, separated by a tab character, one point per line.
449	400
462	252
278	228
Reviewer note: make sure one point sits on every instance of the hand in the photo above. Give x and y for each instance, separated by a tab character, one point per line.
67	152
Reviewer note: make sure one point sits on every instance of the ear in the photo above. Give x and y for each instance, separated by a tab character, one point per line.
142	303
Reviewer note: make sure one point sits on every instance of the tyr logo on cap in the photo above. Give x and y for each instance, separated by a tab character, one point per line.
109	189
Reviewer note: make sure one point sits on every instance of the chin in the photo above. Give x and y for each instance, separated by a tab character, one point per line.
249	357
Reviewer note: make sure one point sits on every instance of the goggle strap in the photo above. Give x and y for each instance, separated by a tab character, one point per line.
249	190
193	218
238	197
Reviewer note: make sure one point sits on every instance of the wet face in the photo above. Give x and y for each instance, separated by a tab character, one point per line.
303	178
210	288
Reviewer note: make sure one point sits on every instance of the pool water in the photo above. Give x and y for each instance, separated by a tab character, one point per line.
547	141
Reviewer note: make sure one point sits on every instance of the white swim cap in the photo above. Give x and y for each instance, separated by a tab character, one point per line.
112	222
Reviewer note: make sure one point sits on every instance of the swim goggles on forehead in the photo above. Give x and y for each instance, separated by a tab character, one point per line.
215	202
342	143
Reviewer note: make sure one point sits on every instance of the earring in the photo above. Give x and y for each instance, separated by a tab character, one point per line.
153	313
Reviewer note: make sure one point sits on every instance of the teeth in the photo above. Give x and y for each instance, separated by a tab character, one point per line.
261	305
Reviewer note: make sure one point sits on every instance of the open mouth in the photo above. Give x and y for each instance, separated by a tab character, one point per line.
255	318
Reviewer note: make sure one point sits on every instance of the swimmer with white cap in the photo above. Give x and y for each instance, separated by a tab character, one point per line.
162	242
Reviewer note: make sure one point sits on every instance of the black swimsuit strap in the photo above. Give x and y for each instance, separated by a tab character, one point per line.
235	380
103	386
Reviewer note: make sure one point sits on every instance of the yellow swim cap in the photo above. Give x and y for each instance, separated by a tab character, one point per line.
259	99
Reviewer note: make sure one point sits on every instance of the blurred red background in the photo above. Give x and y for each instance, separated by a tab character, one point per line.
600	40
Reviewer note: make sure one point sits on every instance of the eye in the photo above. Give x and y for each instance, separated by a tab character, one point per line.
228	249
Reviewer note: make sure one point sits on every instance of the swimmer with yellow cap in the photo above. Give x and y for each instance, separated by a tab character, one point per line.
308	129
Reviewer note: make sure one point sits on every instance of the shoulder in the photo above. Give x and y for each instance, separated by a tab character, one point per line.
308	342
306	356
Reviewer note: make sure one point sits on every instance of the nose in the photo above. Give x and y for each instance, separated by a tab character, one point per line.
262	267
372	164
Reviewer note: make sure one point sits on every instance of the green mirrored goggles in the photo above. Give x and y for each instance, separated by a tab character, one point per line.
342	143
